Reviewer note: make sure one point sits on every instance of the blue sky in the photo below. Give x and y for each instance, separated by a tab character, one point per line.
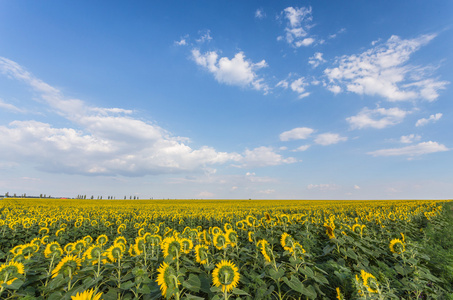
227	99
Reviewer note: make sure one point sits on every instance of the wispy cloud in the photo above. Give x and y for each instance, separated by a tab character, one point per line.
409	139
297	27
431	119
377	118
413	150
10	107
384	71
299	86
326	139
316	59
263	157
260	14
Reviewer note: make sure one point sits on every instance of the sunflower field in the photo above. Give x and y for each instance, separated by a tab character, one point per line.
225	249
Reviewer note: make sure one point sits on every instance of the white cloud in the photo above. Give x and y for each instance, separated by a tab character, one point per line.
298	25
205	37
377	118
10	107
181	42
206	194
316	59
334	89
264	156
236	71
356	187
108	142
332	36
301	148
283	84
260	14
298	86
267	192
322	187
383	71
413	150
431	119
300	133
329	139
411	138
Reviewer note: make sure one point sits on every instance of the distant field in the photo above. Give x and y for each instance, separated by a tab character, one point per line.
225	249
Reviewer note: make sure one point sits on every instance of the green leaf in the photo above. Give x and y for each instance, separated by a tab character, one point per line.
276	275
193	283
298	286
127	285
192	297
351	254
307	272
15	285
237	291
327	249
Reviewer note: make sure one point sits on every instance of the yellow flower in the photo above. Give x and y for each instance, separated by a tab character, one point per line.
59	231
167	278
251	234
67	266
226	274
171	246
265	249
369	281
53	249
102	240
87	295
44	230
201	254
287	242
13	268
397	246
186	245
115	252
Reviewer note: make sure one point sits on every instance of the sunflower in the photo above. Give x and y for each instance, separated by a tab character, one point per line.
67	266
171	246
155	240
298	249
29	249
88	240
17	249
369	281
330	230
87	295
226	274
68	248
186	245
251	235
53	249
216	230
339	295
79	246
120	240
93	253
265	249
44	230
201	254
227	227
220	241
102	240
167	278
397	246
250	220
115	252
140	245
240	225
45	239
287	242
11	268
141	231
232	237
59	231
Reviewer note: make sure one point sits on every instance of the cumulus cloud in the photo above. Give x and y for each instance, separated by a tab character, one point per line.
301	148
384	71
300	133
377	118
205	37
409	139
325	139
181	42
298	25
109	142
413	150
236	71
316	59
431	119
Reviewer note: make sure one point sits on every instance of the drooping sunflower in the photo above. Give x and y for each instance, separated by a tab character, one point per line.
115	252
45	239
121	228
94	253
216	230
240	225
298	250
87	295
53	249
88	240
79	246
251	235
226	274
251	221
232	237
227	227
140	245
330	229
187	245
201	254
397	246
59	231
28	250
220	241
67	266
265	249
155	240
369	281
120	239
9	272
167	278
44	230
102	240
287	242
171	246
68	248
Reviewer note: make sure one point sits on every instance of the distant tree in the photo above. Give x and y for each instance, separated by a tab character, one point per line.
7	194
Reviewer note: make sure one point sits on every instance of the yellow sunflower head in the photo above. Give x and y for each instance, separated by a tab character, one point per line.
115	252
220	241
120	240
369	281
251	235
287	242
187	245
226	275
397	246
94	252
53	249
167	279
44	230
88	240
87	295
102	240
67	266
201	254
171	246
265	249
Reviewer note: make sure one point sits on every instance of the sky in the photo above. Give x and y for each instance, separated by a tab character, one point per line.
227	99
